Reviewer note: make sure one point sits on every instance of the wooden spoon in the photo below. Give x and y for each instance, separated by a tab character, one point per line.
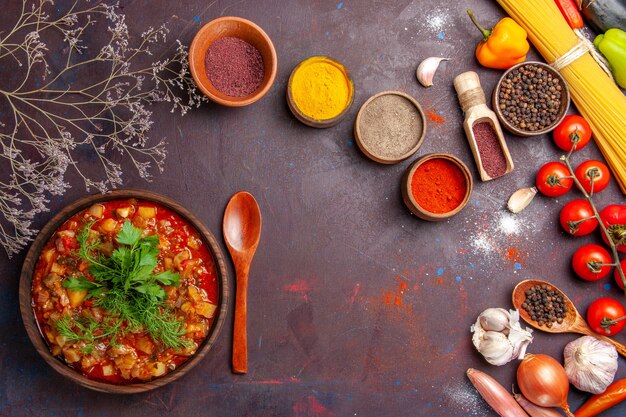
242	230
573	321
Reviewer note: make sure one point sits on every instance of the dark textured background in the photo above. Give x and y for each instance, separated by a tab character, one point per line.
356	307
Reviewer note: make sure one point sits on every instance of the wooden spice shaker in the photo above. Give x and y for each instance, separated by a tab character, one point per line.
473	103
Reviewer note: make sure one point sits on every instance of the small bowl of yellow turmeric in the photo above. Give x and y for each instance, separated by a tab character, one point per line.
320	92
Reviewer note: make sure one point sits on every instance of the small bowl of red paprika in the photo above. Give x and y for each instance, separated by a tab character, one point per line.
436	186
233	61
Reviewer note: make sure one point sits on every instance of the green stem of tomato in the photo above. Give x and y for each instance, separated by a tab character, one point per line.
574	138
577	222
596	214
596	267
606	323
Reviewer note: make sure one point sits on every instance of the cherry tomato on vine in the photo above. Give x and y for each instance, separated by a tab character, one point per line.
603	310
577	218
614	219
572	131
618	279
552	179
590	262
595	170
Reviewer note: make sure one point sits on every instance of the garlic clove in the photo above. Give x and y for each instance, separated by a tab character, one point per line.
427	68
495	319
519	338
496	348
520	199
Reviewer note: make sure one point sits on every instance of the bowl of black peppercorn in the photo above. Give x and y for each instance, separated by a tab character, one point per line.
531	99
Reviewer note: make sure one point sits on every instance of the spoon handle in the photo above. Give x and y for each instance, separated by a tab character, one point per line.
240	334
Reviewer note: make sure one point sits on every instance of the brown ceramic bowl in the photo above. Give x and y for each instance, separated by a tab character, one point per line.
375	154
237	27
309	121
564	105
409	199
30	262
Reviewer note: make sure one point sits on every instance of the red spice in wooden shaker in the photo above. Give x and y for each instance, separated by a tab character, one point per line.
491	154
438	185
234	66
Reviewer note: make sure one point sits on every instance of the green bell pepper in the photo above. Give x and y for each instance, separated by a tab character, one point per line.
613	46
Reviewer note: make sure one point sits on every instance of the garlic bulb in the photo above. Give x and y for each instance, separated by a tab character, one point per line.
427	68
590	364
499	337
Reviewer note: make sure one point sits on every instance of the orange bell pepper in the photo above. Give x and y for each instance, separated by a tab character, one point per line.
503	46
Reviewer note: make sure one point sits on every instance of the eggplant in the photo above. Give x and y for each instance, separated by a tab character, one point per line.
603	15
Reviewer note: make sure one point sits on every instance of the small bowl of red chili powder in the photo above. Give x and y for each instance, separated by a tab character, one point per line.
233	61
436	186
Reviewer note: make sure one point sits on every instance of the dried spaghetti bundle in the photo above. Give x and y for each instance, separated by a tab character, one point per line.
597	98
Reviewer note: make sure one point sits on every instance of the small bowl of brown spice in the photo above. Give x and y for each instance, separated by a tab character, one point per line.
390	127
233	61
531	99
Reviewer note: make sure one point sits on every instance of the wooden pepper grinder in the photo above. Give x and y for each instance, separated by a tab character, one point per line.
473	103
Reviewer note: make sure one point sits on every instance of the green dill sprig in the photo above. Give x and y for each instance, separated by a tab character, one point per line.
125	285
87	330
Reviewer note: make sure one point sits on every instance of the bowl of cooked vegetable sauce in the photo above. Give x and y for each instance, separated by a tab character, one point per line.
124	292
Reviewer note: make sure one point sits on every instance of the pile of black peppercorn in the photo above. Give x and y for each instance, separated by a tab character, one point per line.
545	306
530	97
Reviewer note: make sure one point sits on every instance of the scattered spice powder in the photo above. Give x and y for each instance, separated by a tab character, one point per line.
395	297
390	126
491	154
438	185
513	254
435	117
234	66
394	301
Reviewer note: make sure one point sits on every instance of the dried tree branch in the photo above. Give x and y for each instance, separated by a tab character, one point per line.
52	121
